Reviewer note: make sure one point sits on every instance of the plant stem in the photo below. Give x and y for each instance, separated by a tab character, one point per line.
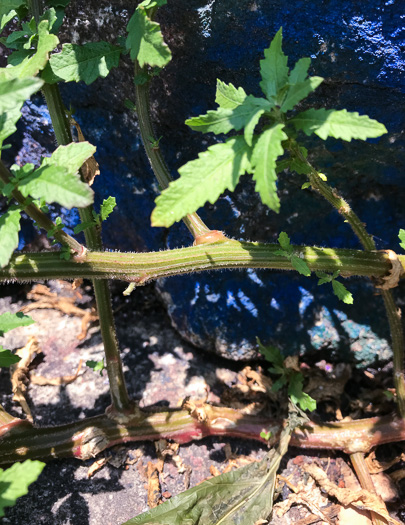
41	219
367	241
366	482
161	171
141	267
84	439
118	390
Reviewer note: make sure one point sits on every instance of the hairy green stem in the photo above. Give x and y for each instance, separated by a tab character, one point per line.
83	439
367	241
151	144
118	390
141	268
41	219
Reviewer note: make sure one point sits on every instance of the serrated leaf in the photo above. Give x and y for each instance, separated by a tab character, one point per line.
107	207
339	124
31	66
56	180
7	358
300	71
342	292
145	41
9	228
222	120
85	62
284	242
228	96
300	265
243	496
297	395
273	68
8	10
271	354
9	321
401	236
265	153
202	180
16	91
299	91
14	481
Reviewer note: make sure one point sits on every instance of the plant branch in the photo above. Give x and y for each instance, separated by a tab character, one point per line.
118	390
142	267
367	241
84	439
41	219
151	144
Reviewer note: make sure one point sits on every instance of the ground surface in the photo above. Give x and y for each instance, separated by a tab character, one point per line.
162	369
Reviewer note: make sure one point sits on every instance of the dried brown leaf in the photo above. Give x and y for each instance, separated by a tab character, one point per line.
96	466
90	168
362	499
154	494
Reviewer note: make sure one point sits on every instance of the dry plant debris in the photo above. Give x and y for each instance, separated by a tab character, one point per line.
56	381
361	499
43	297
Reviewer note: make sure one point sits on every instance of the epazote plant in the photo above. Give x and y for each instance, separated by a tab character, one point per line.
269	143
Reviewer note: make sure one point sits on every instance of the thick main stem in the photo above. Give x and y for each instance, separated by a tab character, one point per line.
83	439
151	144
118	390
141	267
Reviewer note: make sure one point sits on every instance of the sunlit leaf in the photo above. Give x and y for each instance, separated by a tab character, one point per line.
9	321
9	228
273	68
228	96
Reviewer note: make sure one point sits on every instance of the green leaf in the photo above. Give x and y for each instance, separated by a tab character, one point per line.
228	97
9	228
83	226
149	4
339	124
14	481
56	180
97	366
31	66
271	354
284	242
300	265
16	91
306	185
299	91
82	63
297	395
107	208
273	68
401	236
145	41
265	152
7	358
300	71
202	180
243	496
9	321
222	120
8	10
342	292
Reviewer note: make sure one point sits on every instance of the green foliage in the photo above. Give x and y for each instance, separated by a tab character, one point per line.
8	10
338	124
9	228
401	236
145	40
237	111
339	289
202	180
85	63
7	358
97	366
14	481
9	321
105	211
289	376
57	180
288	251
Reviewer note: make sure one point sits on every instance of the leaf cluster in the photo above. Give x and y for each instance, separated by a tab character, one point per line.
9	321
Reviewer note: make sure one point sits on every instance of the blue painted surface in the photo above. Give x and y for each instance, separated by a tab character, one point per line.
359	48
